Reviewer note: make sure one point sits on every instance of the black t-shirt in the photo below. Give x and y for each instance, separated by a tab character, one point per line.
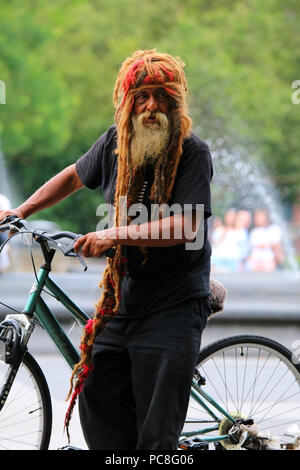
171	275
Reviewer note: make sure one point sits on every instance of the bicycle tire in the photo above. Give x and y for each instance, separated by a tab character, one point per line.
26	417
269	394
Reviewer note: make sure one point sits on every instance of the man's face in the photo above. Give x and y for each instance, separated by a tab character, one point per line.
151	127
151	101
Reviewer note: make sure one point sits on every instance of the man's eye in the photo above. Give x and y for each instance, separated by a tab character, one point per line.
141	97
162	96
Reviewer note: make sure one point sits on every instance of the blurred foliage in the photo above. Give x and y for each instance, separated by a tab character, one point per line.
60	59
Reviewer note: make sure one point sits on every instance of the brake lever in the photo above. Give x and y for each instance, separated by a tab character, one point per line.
73	254
68	250
76	255
12	221
8	224
9	219
110	253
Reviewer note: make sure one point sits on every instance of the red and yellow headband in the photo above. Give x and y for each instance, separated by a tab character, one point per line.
138	78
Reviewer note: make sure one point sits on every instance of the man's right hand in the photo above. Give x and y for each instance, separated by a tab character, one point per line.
6	213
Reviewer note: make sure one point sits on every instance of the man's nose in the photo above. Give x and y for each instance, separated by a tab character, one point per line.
152	104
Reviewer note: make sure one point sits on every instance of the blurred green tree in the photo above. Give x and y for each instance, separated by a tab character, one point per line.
59	60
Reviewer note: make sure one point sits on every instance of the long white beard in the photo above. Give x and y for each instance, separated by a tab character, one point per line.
149	141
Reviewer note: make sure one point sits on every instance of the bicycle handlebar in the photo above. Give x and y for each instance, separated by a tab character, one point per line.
12	222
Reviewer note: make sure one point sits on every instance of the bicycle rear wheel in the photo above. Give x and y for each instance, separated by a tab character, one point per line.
26	417
251	377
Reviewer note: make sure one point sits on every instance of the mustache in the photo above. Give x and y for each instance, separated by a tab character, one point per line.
161	119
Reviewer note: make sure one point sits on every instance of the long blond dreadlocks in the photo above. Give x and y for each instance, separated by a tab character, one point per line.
144	69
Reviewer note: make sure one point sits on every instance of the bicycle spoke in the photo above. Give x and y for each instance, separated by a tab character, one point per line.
16	423
268	381
244	381
18	412
255	380
283	412
272	390
17	440
227	392
237	380
213	386
274	404
283	423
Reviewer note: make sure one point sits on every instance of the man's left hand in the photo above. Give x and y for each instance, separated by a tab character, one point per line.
93	244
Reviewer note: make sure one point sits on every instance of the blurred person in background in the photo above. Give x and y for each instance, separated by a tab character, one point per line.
225	240
242	224
266	250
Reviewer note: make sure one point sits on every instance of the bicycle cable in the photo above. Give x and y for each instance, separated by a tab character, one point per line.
34	268
11	308
19	231
2	303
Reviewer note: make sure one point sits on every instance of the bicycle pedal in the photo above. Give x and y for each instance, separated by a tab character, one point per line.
69	448
194	443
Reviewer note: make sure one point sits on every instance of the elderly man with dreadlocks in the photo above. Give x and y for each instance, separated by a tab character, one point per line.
139	350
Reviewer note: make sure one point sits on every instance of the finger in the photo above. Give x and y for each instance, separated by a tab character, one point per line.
102	248
95	248
5	214
3	217
86	248
79	242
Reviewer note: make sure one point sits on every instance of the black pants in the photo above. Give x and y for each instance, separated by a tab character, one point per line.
137	395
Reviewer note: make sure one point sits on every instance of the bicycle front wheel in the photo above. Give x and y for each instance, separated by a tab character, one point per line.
251	377
26	417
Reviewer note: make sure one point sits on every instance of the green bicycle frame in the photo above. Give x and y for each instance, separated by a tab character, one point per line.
35	304
198	394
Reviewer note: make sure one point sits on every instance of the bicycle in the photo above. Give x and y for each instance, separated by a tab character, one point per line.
264	392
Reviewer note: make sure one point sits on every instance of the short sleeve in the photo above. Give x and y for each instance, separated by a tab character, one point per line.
195	171
93	165
89	166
